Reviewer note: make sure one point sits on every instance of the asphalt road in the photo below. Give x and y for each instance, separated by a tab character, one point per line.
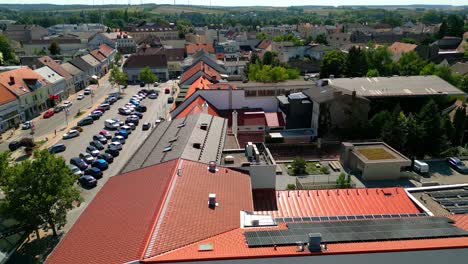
155	109
58	121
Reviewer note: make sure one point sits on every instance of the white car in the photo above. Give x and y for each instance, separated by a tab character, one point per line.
87	91
130	106
26	125
111	124
115	146
137	96
71	134
67	104
80	96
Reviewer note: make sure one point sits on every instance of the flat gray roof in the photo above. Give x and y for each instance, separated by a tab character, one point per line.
179	138
396	86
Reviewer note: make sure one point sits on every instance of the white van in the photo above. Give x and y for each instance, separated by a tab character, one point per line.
111	124
421	167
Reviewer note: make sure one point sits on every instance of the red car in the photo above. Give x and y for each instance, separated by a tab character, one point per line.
106	134
100	109
48	114
167	91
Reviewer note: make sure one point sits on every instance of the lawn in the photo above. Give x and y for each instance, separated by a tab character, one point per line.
311	169
376	153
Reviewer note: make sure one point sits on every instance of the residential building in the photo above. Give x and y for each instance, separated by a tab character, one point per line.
373	160
297	108
57	91
192	48
154	58
24	33
104	68
174	56
79	78
230	50
89	59
144	29
121	41
87	69
76	28
287	51
197	70
108	52
49	62
10	115
31	90
68	46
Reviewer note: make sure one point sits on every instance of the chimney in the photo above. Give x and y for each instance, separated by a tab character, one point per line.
12	80
234	122
212	167
212	200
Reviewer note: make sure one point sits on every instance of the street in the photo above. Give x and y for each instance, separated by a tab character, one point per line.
155	109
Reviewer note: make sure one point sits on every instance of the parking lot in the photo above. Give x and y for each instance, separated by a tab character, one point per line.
441	172
155	109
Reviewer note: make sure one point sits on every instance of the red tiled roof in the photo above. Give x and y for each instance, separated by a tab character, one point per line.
116	224
98	55
200	84
19	87
196	107
5	95
250	136
192	48
49	62
232	245
188	219
222	86
333	202
197	67
153	210
264	44
106	50
246	117
399	47
275	119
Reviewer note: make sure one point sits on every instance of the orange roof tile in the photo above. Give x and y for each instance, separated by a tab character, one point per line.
106	50
192	48
196	107
264	44
116	224
333	202
399	47
19	86
200	84
5	95
98	55
200	66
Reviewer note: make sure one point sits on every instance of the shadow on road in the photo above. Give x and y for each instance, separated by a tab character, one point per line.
35	251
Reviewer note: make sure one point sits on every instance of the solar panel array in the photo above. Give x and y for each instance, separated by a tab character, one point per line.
455	201
358	230
343	217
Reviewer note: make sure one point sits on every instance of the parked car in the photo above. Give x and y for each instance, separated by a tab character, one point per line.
140	108
144	90
132	119
80	129
138	114
115	145
112	152
86	121
102	109
110	100
118	138
80	96
167	91
131	125
57	148
79	162
26	125
142	84
67	104
98	145
95	115
106	134
123	133
107	157
100	138
157	122
92	150
75	170
14	145
48	113
156	84
146	126
105	106
111	124
100	164
170	100
58	109
87	181
87	91
134	102
127	128
458	165
124	111
153	96
86	157
71	134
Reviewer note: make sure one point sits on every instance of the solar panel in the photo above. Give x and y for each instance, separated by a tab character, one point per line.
358	230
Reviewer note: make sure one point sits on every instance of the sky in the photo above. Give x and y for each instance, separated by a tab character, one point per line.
246	2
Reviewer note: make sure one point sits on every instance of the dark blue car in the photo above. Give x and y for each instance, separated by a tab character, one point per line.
93	171
100	164
122	132
79	163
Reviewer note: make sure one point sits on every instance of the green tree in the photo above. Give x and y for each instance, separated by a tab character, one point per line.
147	76
395	130
380	59
443	30
409	40
262	36
410	64
356	62
54	48
428	69
39	192
445	73
434	135
414	138
333	63
117	58
8	52
377	122
372	73
4	164
299	166
455	25
269	58
322	39
459	124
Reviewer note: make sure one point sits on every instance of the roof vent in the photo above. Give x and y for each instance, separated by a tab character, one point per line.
168	148
228	159
12	80
212	200
197	145
204	126
212	167
173	139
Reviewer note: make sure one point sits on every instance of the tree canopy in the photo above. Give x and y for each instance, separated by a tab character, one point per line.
54	48
333	63
147	76
7	51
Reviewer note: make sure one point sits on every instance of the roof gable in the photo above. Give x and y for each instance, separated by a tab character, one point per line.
196	107
14	81
49	62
